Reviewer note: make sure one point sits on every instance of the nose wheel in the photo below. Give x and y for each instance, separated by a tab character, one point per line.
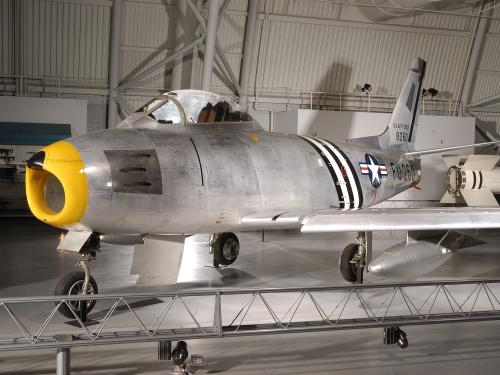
76	283
225	248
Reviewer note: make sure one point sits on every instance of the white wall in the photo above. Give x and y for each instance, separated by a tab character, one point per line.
35	110
45	110
432	132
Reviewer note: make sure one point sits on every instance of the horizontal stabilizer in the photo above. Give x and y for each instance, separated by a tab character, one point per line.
479	198
481	162
452	199
453	160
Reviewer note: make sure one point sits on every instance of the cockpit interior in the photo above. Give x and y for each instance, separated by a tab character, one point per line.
193	107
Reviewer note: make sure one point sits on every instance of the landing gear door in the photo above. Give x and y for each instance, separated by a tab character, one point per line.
73	241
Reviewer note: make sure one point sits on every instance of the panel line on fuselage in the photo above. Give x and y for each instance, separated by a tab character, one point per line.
199	160
351	174
331	165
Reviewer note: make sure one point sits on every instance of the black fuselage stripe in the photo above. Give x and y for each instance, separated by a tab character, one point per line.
330	169
341	167
473	179
353	171
480	180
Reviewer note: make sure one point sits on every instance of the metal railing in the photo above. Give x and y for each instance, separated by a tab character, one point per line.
21	85
34	322
337	101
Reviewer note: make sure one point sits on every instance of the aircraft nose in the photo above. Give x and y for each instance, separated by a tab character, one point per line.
56	185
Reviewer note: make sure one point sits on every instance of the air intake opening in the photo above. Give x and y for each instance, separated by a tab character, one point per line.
53	193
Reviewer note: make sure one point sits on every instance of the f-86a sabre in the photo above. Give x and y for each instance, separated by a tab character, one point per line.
195	162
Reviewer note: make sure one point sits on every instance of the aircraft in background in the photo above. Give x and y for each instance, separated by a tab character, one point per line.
195	162
472	180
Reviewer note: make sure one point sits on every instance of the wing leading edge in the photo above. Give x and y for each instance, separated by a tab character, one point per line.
376	219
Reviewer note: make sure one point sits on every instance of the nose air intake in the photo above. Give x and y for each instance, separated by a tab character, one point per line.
56	185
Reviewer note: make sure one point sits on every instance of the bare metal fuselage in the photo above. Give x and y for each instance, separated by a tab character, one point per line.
205	177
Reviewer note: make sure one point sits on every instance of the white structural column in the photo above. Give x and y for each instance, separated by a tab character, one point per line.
475	58
185	29
114	61
179	36
208	60
248	48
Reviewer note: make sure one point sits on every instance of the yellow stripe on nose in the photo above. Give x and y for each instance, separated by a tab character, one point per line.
56	185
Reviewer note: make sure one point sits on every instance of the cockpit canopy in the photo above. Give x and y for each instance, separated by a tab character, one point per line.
193	107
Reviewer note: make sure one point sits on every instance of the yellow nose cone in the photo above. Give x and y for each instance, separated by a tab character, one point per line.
56	185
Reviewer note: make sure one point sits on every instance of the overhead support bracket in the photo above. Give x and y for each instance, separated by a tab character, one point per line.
173	56
474	58
218	47
492	100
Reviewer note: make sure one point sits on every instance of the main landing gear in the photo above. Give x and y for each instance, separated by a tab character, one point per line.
225	248
79	282
355	258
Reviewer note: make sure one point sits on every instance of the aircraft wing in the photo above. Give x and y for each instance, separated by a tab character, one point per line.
377	219
274	220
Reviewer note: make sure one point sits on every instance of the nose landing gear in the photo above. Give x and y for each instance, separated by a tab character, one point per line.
225	248
75	283
79	283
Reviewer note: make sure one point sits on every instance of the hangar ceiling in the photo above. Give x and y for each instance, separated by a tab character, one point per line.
300	47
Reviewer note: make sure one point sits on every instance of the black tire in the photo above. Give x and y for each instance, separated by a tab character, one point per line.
71	284
348	269
226	249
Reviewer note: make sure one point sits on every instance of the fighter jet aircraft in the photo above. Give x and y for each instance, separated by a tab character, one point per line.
195	162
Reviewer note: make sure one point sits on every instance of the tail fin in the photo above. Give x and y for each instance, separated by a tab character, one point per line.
400	132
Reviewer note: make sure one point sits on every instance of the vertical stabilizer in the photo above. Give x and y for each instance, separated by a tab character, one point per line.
400	132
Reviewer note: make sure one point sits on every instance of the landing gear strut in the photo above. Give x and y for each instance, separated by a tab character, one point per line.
79	282
355	257
225	248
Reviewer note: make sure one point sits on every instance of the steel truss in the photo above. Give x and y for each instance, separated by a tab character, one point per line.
34	322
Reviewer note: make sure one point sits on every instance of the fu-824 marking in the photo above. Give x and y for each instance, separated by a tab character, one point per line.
404	171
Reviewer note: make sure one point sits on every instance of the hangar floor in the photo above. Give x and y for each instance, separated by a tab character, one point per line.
30	266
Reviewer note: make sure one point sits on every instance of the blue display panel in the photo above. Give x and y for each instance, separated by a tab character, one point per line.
25	133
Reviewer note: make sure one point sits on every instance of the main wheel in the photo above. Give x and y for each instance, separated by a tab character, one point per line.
226	249
72	284
347	268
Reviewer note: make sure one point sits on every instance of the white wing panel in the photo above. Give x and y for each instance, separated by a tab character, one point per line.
273	220
401	219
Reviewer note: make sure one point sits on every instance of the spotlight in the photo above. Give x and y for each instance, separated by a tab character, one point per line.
432	92
180	353
367	88
395	335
